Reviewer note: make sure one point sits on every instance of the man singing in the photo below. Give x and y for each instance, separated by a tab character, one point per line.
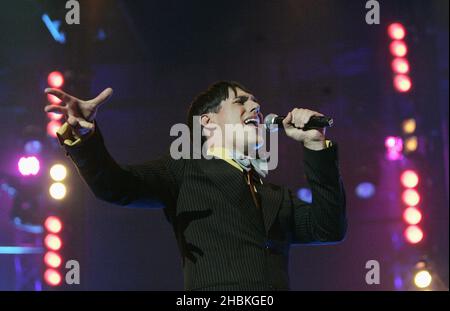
233	229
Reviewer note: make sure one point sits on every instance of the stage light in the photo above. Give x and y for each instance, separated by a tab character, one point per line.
393	143
53	224
409	126
58	172
411	144
52	127
400	65
409	179
394	146
365	190
33	147
57	191
52	259
55	79
53	242
412	215
305	194
28	166
394	155
402	83
389	142
413	234
52	99
411	197
398	282
423	279
54	116
52	277
398	48
53	27
396	31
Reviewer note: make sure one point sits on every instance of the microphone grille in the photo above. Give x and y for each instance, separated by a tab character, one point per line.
269	121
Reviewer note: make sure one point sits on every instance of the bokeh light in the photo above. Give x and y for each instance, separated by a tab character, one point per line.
57	191
396	31
52	127
33	147
53	242
400	65
394	143
423	279
398	48
305	194
53	224
365	190
409	179
54	116
394	155
412	215
410	197
413	234
52	277
409	126
58	172
28	166
402	83
411	144
55	79
52	259
52	99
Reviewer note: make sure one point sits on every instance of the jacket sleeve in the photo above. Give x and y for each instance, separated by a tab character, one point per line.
143	185
323	220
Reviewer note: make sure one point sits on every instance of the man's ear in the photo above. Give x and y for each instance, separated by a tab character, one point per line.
205	120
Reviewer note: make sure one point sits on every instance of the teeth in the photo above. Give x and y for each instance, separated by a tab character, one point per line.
254	121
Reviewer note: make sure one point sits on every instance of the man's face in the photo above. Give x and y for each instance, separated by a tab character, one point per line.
241	113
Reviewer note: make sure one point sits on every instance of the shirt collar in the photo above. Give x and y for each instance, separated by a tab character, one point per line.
239	161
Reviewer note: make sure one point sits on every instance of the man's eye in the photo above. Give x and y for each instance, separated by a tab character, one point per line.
241	100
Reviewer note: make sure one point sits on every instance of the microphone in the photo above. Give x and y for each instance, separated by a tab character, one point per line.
315	122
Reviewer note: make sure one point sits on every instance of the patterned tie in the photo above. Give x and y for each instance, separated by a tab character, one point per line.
250	182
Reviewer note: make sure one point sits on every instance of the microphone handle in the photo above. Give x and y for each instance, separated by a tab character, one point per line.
315	122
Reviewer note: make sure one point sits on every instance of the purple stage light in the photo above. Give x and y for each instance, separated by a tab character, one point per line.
365	190
33	147
305	194
393	155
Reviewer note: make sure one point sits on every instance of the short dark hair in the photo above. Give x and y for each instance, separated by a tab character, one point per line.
209	100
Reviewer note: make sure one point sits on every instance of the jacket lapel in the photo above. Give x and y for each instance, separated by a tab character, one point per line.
270	203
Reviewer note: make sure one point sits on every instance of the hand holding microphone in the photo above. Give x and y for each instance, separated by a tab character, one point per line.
302	125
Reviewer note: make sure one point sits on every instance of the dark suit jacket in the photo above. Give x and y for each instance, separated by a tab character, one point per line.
226	243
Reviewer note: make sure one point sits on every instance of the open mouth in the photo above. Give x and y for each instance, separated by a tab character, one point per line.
252	122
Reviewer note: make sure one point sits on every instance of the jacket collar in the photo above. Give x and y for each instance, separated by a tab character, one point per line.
229	180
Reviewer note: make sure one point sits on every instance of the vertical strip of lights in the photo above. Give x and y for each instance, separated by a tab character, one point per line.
402	147
55	79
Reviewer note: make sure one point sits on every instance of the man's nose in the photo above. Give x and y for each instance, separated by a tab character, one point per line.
254	107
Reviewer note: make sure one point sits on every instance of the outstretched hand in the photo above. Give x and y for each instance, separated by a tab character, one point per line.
80	114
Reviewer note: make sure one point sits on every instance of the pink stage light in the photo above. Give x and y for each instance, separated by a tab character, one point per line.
398	48
28	166
396	31
55	79
402	83
400	65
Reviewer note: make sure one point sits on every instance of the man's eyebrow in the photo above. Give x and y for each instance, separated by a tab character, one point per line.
246	97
